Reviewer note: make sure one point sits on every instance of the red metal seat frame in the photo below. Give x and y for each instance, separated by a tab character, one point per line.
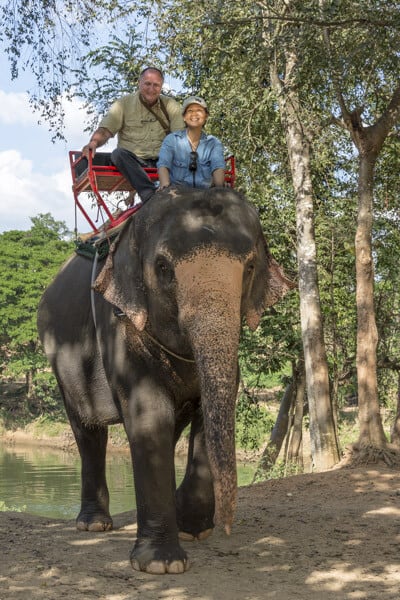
99	178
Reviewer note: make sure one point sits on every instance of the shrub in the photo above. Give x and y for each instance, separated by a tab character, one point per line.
253	422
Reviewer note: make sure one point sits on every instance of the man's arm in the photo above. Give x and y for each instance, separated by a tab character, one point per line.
99	138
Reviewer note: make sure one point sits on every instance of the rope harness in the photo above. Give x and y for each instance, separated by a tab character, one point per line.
89	250
167	350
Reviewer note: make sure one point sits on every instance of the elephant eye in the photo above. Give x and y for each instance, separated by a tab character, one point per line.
164	270
250	264
162	266
250	267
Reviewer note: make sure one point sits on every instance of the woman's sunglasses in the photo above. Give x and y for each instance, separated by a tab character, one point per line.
193	161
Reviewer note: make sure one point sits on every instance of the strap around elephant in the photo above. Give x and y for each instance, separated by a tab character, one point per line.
167	350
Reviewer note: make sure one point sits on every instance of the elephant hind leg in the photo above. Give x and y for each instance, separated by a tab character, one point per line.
94	514
195	496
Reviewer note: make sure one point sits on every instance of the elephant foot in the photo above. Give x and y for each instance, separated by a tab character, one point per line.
195	509
146	556
97	522
195	525
190	537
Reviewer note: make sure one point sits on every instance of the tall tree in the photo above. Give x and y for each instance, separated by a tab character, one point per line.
290	40
28	261
284	76
369	141
369	116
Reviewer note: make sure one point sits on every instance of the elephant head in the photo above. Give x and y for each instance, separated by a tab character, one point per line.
189	268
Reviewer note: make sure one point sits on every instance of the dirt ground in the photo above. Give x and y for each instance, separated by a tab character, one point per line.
326	536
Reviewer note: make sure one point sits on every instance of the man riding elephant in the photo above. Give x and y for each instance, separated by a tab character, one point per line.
141	120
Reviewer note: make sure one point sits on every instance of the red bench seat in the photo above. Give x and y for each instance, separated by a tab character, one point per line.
97	175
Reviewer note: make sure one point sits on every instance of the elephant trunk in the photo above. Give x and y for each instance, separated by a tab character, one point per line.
210	300
218	394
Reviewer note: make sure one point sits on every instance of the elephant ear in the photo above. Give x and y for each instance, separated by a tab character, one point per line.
269	284
121	280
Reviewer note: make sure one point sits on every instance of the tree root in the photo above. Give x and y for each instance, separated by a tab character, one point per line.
366	454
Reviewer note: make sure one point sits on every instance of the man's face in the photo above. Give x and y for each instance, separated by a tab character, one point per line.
150	85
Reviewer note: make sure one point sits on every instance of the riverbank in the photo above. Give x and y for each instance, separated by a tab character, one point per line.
63	441
18	426
117	442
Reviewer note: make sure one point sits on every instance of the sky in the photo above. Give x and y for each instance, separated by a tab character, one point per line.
35	176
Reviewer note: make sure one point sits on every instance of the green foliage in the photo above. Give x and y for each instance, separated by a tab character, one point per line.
253	422
348	426
28	262
5	508
255	373
224	51
47	398
279	470
118	64
49	39
48	425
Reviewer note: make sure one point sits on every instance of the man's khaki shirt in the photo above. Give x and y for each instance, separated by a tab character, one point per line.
138	130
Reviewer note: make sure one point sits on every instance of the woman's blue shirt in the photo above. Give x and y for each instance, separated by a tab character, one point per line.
175	156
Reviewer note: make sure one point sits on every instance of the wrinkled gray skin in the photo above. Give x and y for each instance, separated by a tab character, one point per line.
185	271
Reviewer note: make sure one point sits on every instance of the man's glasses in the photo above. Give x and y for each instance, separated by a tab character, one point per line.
193	161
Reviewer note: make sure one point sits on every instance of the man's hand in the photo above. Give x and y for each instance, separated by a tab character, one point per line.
100	137
90	147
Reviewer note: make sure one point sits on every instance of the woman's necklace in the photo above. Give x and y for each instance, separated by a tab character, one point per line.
193	145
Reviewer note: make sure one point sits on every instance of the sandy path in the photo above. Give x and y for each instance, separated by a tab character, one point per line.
329	536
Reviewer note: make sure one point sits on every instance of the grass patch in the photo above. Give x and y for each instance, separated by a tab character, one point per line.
5	508
117	435
47	426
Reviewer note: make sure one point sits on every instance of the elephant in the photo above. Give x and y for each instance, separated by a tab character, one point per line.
148	337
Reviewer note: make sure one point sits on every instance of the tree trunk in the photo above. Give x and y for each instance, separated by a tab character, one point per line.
294	454
368	141
395	432
371	428
29	384
278	433
287	426
324	446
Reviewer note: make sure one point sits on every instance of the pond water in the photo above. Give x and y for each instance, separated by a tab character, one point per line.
46	482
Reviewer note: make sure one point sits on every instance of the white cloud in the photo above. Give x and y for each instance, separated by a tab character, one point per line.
25	194
34	172
16	110
75	122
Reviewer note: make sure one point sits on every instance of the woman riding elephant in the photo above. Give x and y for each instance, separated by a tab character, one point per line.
190	157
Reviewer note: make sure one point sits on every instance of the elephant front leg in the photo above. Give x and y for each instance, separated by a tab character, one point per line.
150	431
195	495
92	442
